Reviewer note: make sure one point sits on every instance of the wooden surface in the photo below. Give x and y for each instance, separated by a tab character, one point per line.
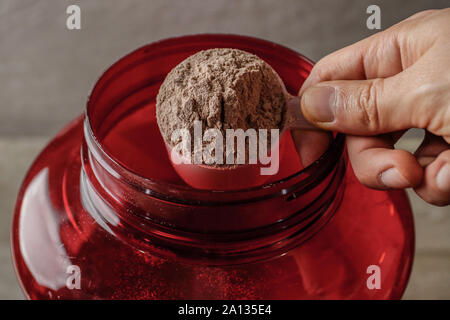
46	72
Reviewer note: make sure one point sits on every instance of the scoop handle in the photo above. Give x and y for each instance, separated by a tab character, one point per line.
294	118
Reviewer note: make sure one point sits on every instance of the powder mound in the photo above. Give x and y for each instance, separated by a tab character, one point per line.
224	89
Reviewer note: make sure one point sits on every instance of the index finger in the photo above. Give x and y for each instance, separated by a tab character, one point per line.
375	57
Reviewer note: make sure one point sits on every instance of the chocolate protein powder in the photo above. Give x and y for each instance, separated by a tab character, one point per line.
222	88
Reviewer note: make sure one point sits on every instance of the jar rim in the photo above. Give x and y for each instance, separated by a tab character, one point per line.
331	156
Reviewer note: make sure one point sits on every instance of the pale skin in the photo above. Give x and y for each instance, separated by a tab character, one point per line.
376	89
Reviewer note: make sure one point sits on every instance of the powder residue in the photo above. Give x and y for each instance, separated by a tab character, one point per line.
224	89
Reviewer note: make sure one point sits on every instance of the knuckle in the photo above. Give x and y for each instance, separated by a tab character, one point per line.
368	105
432	109
439	123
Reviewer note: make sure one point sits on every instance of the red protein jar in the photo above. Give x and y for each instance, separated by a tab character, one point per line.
102	214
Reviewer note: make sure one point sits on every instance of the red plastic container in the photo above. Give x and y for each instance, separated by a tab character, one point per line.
244	176
103	215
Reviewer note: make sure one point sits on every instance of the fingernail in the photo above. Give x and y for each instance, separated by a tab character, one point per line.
392	178
443	178
320	103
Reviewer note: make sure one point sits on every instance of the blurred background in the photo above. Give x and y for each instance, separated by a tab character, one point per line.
47	71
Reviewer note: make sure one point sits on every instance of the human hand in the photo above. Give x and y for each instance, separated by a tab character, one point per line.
376	89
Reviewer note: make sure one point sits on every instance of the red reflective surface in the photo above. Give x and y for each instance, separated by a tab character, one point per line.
312	236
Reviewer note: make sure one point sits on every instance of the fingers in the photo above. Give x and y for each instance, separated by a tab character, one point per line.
361	107
382	55
375	57
434	156
378	85
430	148
389	82
377	165
435	188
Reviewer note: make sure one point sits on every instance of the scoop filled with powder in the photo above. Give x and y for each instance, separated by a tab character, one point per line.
220	89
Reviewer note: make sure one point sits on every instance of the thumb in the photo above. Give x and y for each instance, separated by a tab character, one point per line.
360	107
